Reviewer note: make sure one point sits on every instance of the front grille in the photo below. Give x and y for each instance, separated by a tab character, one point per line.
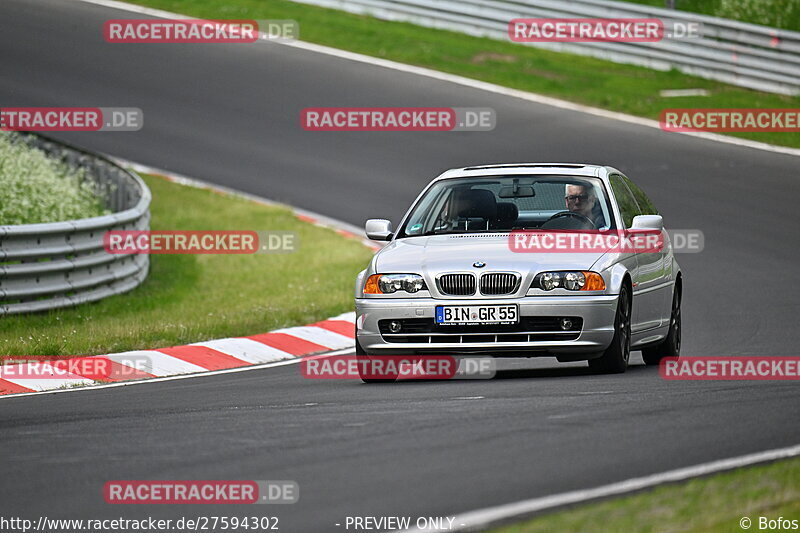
529	329
489	339
499	283
457	284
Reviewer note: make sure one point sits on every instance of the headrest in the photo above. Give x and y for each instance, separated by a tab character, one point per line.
507	213
475	203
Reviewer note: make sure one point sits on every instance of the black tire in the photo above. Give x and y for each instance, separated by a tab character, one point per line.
615	359
671	345
361	355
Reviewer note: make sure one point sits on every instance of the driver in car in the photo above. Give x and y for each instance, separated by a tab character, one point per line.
582	200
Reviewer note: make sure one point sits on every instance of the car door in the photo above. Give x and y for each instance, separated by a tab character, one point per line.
628	209
650	276
644	314
657	273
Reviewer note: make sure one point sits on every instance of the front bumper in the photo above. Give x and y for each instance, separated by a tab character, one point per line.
597	313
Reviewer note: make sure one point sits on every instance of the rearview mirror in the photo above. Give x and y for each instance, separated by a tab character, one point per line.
517	191
654	222
378	229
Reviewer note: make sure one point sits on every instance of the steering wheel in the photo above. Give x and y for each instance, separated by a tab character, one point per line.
581	218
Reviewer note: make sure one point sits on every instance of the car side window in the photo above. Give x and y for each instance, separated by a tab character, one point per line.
644	203
625	200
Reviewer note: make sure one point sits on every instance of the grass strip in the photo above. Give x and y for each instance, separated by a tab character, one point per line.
714	504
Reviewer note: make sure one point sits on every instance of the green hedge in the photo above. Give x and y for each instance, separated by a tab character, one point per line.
35	188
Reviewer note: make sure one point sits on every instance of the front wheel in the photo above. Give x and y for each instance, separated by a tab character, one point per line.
363	361
615	359
671	345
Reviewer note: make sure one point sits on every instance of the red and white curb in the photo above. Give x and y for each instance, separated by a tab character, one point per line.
336	333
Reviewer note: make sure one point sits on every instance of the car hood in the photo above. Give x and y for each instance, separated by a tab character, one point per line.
433	255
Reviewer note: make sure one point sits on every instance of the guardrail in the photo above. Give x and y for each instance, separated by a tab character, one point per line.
748	55
60	264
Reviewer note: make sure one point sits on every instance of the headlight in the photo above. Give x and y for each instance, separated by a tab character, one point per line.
571	280
391	283
574	281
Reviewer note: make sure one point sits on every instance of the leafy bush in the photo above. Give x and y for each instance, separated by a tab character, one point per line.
36	188
784	14
778	13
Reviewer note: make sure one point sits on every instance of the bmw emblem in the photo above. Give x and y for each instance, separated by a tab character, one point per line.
479	264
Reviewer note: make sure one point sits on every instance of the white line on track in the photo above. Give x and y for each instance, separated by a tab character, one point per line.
563	416
491	515
467	82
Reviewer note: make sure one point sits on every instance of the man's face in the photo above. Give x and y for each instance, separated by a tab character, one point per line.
580	200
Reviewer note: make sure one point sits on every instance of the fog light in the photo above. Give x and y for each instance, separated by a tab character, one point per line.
566	324
395	326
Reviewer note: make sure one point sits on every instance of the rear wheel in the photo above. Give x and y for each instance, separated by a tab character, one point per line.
615	359
363	361
671	345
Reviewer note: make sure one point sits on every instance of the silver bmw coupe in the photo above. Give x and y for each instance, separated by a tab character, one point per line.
524	260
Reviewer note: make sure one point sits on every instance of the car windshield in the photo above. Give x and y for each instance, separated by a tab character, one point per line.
506	203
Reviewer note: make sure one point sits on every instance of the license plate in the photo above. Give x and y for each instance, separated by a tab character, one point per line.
476	314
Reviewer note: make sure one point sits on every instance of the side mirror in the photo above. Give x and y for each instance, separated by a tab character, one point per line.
653	222
378	229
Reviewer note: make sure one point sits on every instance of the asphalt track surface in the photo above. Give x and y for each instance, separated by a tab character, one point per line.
230	115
